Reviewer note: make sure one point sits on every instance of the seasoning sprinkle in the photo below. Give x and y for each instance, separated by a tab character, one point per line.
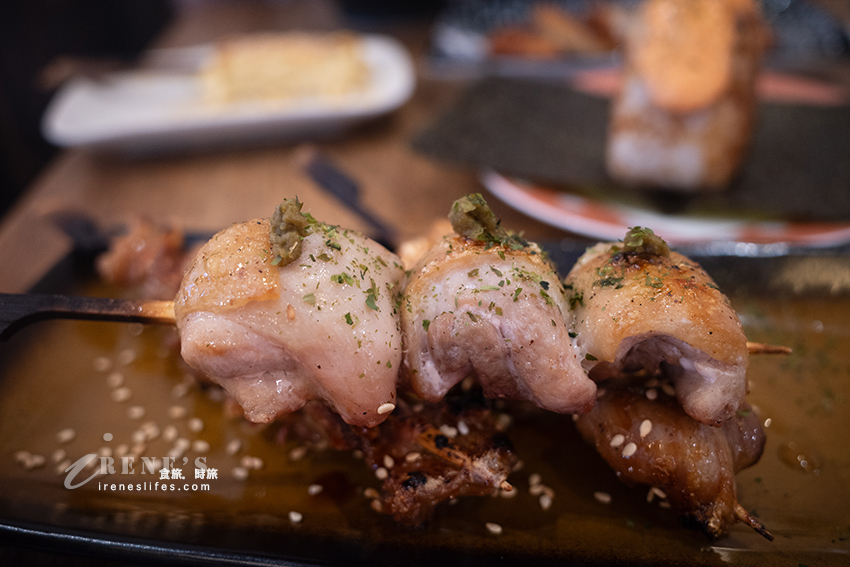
385	408
66	435
295	517
602	497
617	440
629	450
315	489
651	394
412	456
494	529
381	473
645	428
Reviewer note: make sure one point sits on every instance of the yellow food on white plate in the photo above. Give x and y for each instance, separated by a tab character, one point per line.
279	67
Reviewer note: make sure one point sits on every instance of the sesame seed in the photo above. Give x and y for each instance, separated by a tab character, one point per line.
658	492
385	408
575	417
297	453
664	504
602	497
520	464
314	489
650	496
357	454
102	364
169	434
377	506
381	473
233	447
104	452
121	450
652	383
58	455
629	450
389	462
22	457
448	431
645	428
126	356
180	390
767	422
183	443
196	425
135	412
503	421
250	462
138	436
371	493
462	428
545	501
668	389
534	478
494	529
114	380
177	412
651	394
600	393
151	430
508	493
617	440
295	517
66	435
239	473
135	329
121	394
200	446
35	462
412	456
61	467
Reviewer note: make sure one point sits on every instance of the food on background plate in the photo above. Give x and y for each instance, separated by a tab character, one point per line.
637	305
554	32
684	116
485	302
289	67
307	312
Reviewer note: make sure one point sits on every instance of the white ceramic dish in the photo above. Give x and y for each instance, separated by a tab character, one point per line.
162	110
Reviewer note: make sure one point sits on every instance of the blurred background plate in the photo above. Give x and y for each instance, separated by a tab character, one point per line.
609	220
154	110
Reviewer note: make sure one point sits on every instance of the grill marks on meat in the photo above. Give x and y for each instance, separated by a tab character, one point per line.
436	452
693	463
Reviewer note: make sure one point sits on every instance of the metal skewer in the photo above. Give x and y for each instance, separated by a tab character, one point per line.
19	310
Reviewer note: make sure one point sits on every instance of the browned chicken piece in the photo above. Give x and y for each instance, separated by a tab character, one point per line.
430	452
637	305
149	258
655	443
684	116
491	306
275	336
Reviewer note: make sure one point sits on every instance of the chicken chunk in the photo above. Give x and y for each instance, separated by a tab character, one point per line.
653	309
495	310
657	444
321	327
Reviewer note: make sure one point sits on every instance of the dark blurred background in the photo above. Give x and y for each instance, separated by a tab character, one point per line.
41	40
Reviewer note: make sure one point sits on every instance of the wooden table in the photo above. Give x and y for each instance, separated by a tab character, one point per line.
211	190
